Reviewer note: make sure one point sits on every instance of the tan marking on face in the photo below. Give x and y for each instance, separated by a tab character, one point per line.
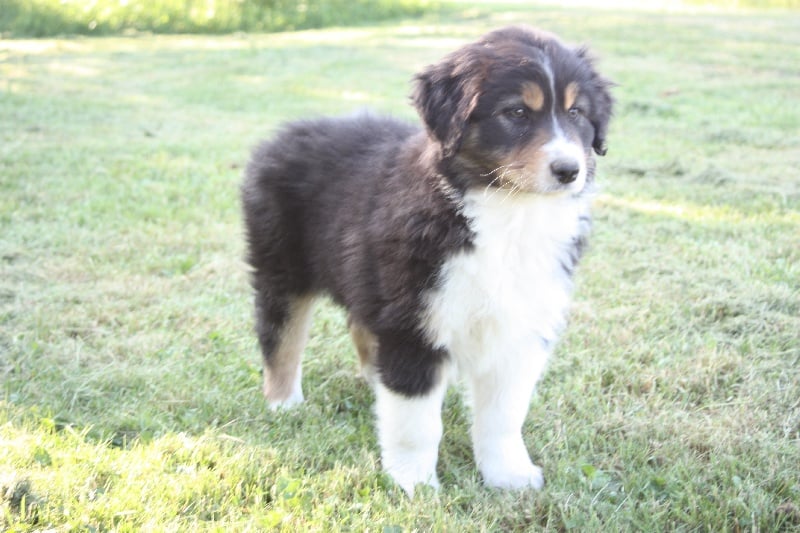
570	95
533	96
524	168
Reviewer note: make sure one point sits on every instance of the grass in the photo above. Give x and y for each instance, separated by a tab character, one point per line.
129	396
53	18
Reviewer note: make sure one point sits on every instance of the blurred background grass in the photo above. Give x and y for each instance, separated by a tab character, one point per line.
48	18
43	18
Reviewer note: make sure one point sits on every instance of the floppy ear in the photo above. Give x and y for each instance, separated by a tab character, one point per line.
445	94
601	114
602	104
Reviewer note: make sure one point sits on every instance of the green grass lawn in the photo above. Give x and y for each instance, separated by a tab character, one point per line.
129	372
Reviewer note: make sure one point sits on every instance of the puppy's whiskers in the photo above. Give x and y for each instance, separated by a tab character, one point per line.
496	179
509	186
503	169
515	188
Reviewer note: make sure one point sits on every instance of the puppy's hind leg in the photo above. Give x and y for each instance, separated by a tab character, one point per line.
366	346
282	325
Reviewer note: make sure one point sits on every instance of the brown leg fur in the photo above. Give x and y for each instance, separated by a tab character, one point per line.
283	372
366	346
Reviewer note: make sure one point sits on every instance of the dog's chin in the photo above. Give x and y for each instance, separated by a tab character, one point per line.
572	189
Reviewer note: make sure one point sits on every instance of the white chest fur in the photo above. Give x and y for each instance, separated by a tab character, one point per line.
510	293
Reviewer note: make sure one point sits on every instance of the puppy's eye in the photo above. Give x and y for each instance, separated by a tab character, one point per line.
575	112
517	112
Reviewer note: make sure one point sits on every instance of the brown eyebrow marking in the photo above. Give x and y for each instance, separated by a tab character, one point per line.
533	96
570	95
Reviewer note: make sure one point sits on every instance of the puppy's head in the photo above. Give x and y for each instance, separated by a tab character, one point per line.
517	110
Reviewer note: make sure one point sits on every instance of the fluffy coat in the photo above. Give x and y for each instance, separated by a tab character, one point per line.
452	247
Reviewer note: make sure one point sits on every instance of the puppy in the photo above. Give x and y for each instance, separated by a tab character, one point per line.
452	247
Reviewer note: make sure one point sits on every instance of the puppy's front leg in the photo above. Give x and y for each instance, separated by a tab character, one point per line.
501	397
409	432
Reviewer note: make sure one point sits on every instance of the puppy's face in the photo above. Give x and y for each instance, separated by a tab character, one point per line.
530	134
517	110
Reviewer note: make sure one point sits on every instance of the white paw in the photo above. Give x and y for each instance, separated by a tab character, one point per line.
410	475
508	476
283	388
295	398
409	431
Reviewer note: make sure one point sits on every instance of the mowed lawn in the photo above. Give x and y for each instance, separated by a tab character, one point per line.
130	376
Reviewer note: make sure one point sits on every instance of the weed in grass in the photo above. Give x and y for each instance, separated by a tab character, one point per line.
20	500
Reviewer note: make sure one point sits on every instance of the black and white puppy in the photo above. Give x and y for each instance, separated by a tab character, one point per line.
452	247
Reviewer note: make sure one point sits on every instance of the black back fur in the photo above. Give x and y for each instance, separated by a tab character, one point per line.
368	209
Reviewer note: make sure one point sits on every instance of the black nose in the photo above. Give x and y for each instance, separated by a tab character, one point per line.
565	170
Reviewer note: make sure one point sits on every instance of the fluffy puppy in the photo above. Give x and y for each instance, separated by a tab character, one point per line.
452	247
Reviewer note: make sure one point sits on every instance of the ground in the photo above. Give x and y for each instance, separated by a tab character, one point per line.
130	374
